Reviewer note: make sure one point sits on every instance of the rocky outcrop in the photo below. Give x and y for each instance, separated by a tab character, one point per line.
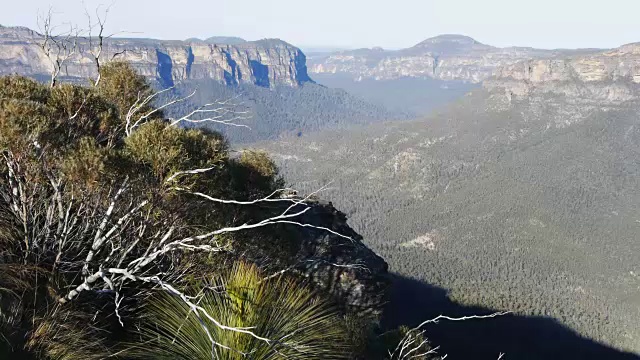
445	57
264	63
343	267
609	77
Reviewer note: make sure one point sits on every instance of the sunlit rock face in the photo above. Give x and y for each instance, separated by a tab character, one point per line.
445	57
610	77
264	63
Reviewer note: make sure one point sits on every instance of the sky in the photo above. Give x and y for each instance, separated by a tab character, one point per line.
391	24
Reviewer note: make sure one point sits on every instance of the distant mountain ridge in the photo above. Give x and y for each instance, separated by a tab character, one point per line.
584	78
444	57
227	40
265	63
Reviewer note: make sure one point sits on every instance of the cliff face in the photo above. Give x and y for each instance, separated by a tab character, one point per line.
607	78
264	63
345	268
446	57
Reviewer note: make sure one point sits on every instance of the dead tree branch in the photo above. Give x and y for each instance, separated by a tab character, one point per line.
224	112
412	345
96	45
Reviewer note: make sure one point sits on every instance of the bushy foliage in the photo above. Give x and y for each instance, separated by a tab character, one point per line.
66	158
165	149
57	117
256	172
122	86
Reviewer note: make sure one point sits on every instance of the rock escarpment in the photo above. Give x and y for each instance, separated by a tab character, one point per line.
343	267
265	63
609	77
445	57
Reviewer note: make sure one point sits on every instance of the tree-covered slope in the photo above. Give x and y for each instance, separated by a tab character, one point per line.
529	206
282	111
407	94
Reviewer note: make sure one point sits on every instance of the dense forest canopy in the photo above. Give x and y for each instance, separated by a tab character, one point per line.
505	206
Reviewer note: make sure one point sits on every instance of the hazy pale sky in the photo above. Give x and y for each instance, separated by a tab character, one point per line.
358	23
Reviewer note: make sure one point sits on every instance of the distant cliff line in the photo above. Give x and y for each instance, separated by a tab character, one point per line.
611	76
461	58
265	63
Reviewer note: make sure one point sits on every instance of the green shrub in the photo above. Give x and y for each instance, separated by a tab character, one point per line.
122	86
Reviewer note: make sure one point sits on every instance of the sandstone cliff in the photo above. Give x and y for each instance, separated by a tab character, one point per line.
609	77
264	63
445	57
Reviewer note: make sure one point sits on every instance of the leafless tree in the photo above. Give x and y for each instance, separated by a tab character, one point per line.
95	38
96	45
58	47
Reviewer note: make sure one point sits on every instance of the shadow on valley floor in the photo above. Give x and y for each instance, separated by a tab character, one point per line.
518	337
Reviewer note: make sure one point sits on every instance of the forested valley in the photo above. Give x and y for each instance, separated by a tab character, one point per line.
271	113
503	206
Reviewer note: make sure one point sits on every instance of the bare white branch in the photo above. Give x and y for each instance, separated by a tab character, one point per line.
268	198
223	112
144	117
188	172
75	115
415	340
138	105
464	318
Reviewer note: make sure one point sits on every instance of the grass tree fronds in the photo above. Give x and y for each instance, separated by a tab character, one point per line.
300	325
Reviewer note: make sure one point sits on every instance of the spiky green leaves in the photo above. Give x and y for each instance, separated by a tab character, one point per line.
300	325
